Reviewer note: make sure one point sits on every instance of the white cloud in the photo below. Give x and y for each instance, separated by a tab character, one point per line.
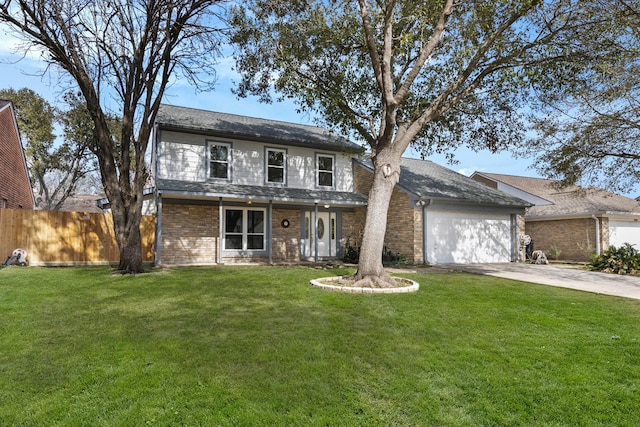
11	46
466	171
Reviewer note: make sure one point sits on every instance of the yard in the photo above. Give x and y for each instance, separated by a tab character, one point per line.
258	346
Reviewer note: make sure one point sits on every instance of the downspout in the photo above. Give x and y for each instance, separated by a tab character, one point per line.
597	234
158	195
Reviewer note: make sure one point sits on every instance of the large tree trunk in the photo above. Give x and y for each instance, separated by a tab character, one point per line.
385	176
129	239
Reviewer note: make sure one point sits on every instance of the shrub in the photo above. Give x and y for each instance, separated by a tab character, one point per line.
351	253
622	260
554	252
392	258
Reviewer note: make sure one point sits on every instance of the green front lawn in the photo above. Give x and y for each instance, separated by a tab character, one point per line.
252	346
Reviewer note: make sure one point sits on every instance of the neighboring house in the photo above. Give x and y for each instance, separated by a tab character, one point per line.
148	202
232	188
439	216
576	221
15	188
81	203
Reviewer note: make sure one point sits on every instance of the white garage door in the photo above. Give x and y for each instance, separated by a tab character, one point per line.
621	232
467	237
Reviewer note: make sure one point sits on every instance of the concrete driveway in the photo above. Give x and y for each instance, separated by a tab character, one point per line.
561	275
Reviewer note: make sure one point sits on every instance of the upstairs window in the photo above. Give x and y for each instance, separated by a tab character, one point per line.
219	160
276	166
325	165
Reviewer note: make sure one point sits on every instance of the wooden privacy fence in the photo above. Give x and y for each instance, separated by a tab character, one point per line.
66	238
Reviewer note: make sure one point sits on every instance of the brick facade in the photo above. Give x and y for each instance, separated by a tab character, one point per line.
285	241
575	238
190	235
352	228
15	188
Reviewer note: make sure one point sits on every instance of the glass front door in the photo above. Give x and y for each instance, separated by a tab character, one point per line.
320	234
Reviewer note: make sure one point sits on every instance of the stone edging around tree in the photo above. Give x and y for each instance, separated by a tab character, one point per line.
322	284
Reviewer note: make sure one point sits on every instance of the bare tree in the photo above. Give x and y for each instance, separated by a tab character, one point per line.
122	55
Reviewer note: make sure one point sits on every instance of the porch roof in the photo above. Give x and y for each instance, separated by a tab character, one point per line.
205	190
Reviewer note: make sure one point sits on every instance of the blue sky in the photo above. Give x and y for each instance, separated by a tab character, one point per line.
28	73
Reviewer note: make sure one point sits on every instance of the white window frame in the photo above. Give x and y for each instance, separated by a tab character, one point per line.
244	233
267	166
333	170
228	161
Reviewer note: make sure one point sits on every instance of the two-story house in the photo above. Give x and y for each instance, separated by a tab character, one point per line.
233	188
15	188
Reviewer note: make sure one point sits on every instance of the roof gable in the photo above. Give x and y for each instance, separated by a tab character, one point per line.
15	186
251	128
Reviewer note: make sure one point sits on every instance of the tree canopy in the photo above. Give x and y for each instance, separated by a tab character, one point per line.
588	133
435	74
453	72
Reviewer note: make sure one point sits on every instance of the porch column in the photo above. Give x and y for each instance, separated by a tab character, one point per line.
315	255
270	231
220	230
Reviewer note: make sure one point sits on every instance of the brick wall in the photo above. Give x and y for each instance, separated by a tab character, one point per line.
189	234
286	241
14	180
576	238
404	225
352	228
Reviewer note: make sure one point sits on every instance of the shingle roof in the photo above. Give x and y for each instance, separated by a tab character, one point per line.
251	128
81	203
277	194
571	200
427	180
